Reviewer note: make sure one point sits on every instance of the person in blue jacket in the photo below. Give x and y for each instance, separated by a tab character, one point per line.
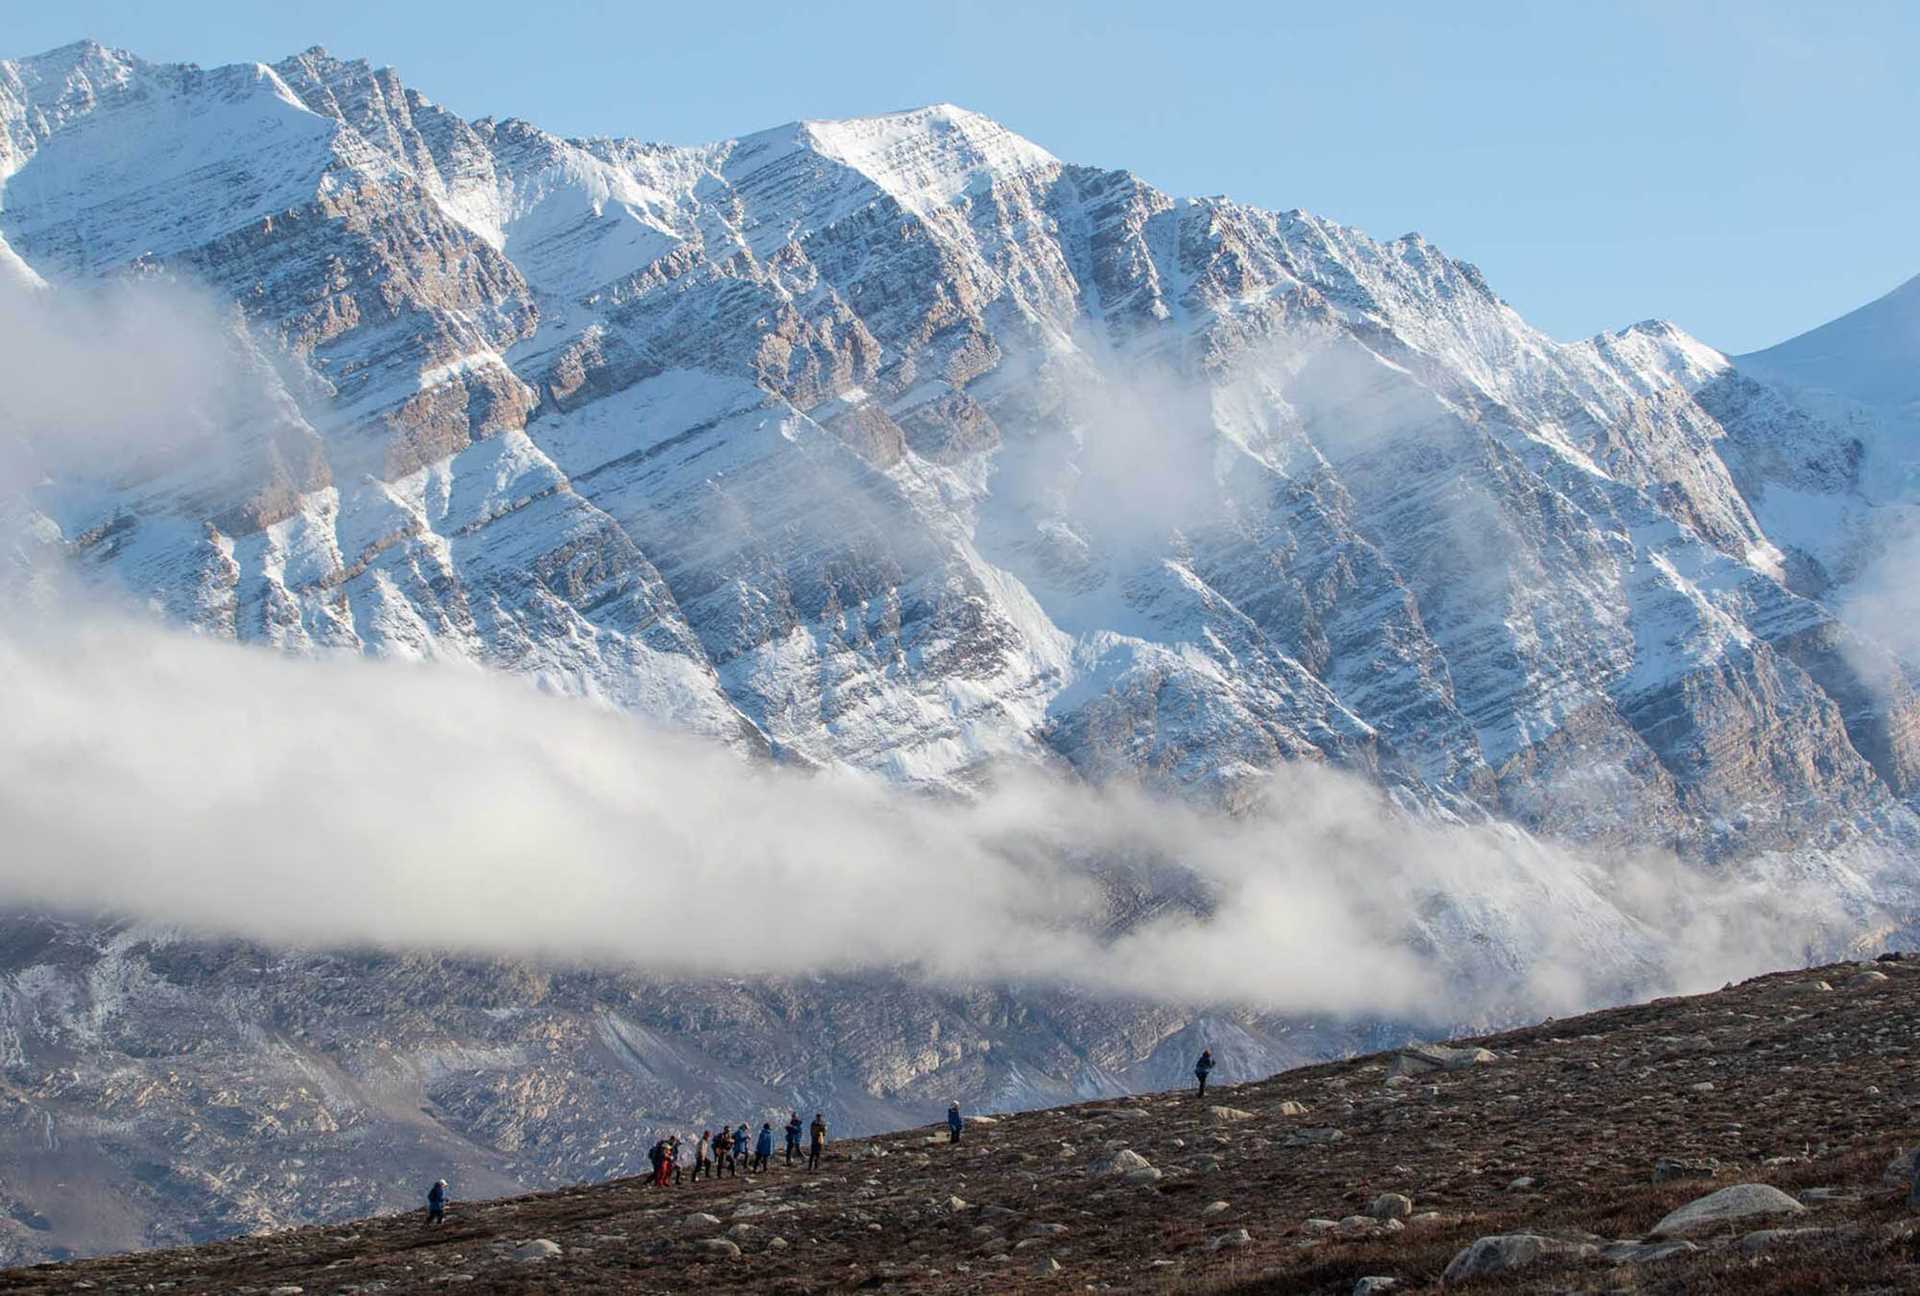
763	1146
793	1138
1202	1069
740	1144
954	1123
437	1201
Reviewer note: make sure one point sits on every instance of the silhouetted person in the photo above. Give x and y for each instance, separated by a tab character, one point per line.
817	1140
793	1137
740	1145
763	1146
702	1156
1202	1069
722	1151
954	1123
437	1201
657	1155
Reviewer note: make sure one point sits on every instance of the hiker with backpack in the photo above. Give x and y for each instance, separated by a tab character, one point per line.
437	1202
1202	1069
954	1123
740	1146
817	1140
763	1146
793	1137
702	1155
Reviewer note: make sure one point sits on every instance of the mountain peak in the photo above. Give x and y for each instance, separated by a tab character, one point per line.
1865	355
925	156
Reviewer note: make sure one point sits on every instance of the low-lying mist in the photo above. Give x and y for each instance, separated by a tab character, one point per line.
158	773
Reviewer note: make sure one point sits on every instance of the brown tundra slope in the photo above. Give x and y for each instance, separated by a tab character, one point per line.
1571	1141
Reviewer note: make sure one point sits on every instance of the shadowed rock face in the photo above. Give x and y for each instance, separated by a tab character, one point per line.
1543	1164
899	444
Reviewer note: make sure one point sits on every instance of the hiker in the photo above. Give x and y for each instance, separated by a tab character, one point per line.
437	1202
954	1123
740	1146
723	1151
657	1155
793	1137
702	1156
674	1160
763	1146
1202	1069
817	1140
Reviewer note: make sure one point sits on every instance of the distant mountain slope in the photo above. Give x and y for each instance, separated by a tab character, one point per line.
1866	354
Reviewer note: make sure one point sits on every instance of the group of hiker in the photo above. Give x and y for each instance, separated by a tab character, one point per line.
725	1153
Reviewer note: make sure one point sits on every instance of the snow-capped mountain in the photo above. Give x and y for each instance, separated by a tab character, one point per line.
899	444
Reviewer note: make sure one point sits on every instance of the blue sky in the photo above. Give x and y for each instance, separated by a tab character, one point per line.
1747	170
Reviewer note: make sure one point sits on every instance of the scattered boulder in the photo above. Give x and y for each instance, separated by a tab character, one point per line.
1667	1168
956	1204
1506	1251
1739	1201
776	1244
1388	1206
540	1249
1047	1265
718	1248
1228	1241
1126	1161
740	1232
1215	1208
1291	1108
1521	1184
1644	1252
1761	1241
1374	1286
1423	1059
1866	980
700	1222
1230	1114
1144	1175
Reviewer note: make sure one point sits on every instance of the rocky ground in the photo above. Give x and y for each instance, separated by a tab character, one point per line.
1746	1140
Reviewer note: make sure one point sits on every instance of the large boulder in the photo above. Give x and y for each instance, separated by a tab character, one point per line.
1424	1059
1125	1161
1738	1202
1505	1251
1391	1206
538	1249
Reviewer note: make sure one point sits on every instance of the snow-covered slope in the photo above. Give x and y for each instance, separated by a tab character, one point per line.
900	444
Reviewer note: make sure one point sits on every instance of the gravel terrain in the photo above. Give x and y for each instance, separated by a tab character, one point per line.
1746	1140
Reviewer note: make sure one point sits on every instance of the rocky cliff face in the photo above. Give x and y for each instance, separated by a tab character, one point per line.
900	444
